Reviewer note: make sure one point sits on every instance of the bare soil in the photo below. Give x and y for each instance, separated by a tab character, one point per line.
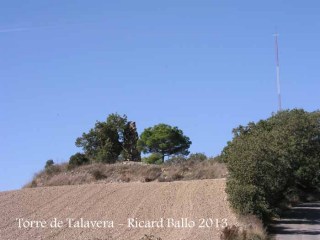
194	200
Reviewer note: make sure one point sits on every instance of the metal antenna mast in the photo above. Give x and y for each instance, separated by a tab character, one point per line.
278	71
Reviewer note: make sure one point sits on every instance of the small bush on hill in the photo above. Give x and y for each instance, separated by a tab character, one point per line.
49	163
78	159
197	157
192	158
154	158
51	168
177	159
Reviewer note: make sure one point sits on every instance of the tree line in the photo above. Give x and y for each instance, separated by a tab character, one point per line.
273	162
117	139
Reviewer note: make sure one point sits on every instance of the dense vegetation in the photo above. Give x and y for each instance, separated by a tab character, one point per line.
110	140
273	161
164	140
117	139
78	159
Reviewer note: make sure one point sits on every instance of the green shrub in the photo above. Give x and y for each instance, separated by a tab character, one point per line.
154	158
267	158
176	159
235	233
193	158
78	159
106	155
50	168
49	163
247	198
53	169
197	157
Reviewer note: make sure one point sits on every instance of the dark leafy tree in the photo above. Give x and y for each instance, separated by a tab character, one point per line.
101	143
130	141
78	159
51	168
107	140
49	164
271	159
165	140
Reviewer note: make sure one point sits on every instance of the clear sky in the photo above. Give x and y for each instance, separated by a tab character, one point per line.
204	66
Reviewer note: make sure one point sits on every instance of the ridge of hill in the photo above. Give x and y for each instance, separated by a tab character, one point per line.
61	174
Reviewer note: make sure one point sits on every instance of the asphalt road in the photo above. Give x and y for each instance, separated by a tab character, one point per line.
299	223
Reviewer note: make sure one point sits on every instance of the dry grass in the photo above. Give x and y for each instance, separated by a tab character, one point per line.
237	233
250	228
58	175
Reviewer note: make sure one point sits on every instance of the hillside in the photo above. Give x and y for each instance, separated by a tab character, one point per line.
60	174
117	202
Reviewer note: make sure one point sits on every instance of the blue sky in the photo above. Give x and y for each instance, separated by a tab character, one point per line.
204	66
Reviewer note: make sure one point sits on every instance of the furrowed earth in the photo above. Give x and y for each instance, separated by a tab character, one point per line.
168	210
